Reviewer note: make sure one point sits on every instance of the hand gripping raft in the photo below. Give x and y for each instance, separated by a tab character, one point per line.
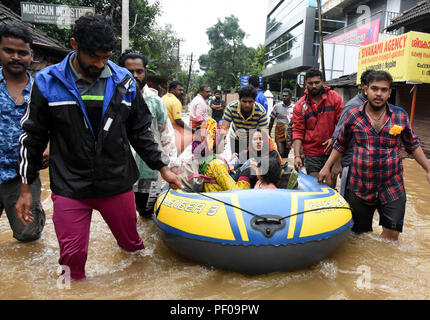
255	231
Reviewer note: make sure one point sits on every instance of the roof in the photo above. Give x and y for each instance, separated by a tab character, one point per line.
40	39
349	80
417	13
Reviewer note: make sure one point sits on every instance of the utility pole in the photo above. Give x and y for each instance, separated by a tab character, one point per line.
189	72
321	39
177	62
125	37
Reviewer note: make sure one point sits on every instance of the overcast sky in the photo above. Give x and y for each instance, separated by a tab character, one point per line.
191	18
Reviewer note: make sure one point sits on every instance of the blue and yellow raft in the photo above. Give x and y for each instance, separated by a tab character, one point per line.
255	231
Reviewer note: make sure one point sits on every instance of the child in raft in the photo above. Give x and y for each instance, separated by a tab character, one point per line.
268	174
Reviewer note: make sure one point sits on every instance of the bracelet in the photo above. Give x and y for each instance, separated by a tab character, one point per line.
297	157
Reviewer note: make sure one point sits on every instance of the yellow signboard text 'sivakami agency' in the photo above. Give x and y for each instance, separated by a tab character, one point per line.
405	57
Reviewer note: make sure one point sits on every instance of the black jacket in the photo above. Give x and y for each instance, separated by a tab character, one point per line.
80	166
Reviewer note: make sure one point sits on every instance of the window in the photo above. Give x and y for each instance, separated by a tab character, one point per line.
328	26
279	16
286	47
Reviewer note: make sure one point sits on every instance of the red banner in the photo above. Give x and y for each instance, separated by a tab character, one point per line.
360	36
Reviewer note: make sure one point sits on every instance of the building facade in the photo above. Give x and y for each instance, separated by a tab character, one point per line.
292	39
366	22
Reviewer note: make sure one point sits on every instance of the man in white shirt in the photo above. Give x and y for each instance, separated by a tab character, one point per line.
198	106
283	114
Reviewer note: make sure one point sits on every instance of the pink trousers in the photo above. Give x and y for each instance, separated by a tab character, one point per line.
72	219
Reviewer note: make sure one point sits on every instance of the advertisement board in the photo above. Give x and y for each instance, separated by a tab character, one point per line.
61	15
244	80
405	57
363	35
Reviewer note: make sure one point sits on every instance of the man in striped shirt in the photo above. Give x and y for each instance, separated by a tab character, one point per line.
378	130
244	115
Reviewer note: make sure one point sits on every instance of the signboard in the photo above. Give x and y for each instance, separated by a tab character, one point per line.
337	58
61	15
244	80
405	57
360	36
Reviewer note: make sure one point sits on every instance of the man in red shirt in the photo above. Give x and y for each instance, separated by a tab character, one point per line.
315	117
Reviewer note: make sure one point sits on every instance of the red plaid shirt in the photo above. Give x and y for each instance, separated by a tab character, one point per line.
376	169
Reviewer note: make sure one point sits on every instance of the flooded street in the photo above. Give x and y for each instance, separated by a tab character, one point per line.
364	267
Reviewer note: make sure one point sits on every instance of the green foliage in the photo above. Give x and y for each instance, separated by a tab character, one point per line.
223	64
228	57
257	66
193	81
161	47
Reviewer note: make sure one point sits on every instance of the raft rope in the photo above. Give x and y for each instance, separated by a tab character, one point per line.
270	219
161	203
265	219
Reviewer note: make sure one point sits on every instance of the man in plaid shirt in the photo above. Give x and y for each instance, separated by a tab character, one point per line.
378	130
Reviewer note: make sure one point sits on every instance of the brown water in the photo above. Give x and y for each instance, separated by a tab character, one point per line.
364	267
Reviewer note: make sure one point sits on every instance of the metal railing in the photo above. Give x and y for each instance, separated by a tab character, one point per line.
385	20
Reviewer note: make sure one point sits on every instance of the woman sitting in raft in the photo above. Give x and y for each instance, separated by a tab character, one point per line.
261	145
260	150
212	165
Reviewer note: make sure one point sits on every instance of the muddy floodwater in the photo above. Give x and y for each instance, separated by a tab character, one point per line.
363	267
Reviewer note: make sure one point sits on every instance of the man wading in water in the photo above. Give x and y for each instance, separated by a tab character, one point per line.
15	87
91	111
378	130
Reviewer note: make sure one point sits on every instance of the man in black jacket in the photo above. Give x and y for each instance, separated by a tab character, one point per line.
91	111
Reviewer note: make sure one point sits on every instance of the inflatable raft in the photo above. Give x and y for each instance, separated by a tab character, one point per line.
255	231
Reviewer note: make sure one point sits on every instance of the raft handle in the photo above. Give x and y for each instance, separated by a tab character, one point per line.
267	220
268	225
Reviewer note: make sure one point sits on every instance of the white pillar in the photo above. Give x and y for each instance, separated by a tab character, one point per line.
125	42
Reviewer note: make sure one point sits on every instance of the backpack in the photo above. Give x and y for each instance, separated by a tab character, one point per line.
190	174
289	178
191	171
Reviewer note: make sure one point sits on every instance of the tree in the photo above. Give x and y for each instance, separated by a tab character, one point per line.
228	56
158	43
257	66
160	46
